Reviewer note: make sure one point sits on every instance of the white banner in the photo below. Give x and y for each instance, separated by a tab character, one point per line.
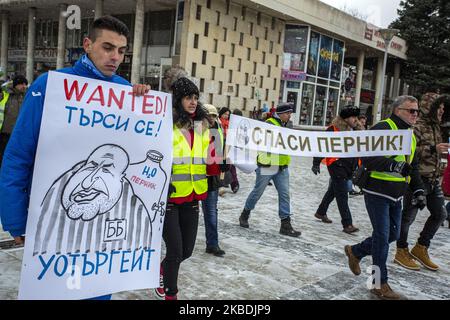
248	134
99	189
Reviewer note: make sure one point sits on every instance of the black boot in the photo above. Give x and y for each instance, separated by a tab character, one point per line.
287	230
243	219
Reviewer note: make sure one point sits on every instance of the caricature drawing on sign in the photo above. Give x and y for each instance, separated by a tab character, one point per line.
94	207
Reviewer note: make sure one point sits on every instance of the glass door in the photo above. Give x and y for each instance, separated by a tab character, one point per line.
319	106
306	106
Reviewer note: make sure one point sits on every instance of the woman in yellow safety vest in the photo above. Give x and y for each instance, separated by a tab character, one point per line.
189	184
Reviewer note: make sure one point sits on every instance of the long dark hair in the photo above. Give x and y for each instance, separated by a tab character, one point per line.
183	119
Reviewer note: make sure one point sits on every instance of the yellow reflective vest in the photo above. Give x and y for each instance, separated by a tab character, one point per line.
394	176
273	159
2	107
189	165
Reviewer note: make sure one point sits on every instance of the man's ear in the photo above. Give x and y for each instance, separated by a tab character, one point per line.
87	45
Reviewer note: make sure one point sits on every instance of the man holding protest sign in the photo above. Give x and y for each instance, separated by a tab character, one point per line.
340	170
273	167
383	194
105	48
430	150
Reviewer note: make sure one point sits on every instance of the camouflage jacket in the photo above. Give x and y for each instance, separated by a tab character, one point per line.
428	135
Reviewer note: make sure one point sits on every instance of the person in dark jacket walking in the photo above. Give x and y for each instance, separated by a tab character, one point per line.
340	170
10	102
430	149
383	194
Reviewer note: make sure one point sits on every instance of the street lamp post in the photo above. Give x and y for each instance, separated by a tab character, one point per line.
387	35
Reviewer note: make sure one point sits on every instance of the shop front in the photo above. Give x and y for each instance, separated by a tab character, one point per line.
311	76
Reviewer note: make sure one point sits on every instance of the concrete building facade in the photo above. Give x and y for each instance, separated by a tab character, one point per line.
246	54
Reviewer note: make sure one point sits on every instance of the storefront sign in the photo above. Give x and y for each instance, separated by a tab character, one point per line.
40	55
293	75
373	34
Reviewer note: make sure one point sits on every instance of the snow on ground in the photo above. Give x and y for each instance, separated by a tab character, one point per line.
262	264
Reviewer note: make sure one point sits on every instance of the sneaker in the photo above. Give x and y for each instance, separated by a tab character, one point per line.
386	293
215	251
353	262
322	217
350	229
159	292
404	258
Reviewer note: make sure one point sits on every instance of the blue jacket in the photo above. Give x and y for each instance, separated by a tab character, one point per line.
18	159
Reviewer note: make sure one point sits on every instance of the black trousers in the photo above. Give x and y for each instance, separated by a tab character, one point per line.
4	138
438	213
179	234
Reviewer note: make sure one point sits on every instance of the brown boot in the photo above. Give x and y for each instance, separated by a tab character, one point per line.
404	258
353	262
323	217
350	229
420	253
386	293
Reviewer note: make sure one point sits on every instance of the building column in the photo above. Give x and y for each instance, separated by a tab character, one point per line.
31	44
137	42
359	76
395	92
98	8
61	51
4	44
379	82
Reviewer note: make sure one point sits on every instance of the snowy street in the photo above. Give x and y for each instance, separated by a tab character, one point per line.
262	264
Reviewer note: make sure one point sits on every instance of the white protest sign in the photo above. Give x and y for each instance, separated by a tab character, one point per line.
255	135
99	189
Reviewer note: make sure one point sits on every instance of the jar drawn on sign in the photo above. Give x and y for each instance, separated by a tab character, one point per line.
148	174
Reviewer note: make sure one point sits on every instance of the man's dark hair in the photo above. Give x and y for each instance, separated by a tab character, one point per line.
108	23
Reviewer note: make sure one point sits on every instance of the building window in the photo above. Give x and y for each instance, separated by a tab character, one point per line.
275	84
257	43
269	71
198	13
230	76
204	57
254	67
271	47
232	49
277	59
218	17
261	80
234	24
194	69
208	4
246	79
253	93
237	90
213	73
267	95
202	85
228	7
258	18
295	44
211	98
263	58
241	39
206	29
251	28
225	34
273	23
249	53
279	37
239	64
228	101
215	46
266	33
244	104
196	41
243	12
220	87
222	60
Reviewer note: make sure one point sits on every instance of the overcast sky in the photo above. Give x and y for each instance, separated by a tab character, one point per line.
379	12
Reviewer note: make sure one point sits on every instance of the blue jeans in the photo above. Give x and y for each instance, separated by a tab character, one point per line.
209	206
337	188
385	216
280	178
